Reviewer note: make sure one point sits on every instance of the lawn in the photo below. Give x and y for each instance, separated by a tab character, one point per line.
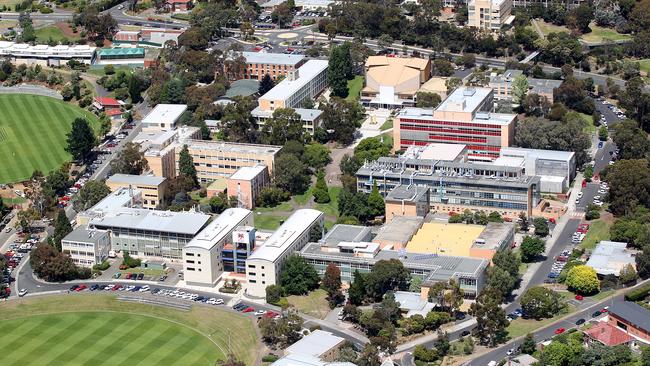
354	87
44	34
332	207
33	133
9	3
598	230
548	28
99	71
99	330
314	303
268	221
645	65
521	326
386	125
600	34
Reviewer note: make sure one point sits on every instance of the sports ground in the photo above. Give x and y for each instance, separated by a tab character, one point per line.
33	133
97	329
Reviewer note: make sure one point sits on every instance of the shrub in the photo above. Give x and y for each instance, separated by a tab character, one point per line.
270	358
102	266
638	294
314	327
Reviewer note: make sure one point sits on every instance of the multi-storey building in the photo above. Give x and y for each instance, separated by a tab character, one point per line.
394	81
152	188
259	64
263	266
556	169
202	256
489	14
247	183
164	117
456	186
502	85
86	247
463	118
46	55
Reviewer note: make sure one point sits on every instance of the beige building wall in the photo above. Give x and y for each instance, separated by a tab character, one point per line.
397	209
488	14
151	195
247	191
213	163
457	116
163	164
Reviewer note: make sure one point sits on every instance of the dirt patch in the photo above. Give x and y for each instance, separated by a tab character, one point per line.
67	30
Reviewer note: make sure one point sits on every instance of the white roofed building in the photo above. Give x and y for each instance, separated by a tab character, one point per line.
263	266
46	55
164	117
610	257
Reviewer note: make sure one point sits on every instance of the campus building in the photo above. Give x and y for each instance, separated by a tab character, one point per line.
160	148
153	188
259	64
489	14
202	256
147	37
236	253
632	318
463	118
179	6
304	83
263	266
247	183
120	56
404	200
610	257
118	199
393	81
164	117
338	248
148	233
456	186
45	55
502	85
86	247
556	169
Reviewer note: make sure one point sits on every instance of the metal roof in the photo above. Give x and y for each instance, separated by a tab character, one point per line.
147	180
248	172
315	344
189	223
537	153
306	73
272	58
120	51
342	232
305	114
286	235
635	314
296	359
219	228
609	257
81	234
165	113
401	229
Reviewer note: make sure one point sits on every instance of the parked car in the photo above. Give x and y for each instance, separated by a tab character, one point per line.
140	275
579	297
117	275
74	287
580	321
596	314
162	278
559	330
22	292
81	288
249	309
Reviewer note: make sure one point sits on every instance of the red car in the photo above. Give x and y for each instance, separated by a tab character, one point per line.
604	311
81	288
584	183
128	276
271	314
559	330
116	287
248	310
583	228
579	297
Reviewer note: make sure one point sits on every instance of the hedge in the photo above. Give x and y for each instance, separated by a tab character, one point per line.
638	294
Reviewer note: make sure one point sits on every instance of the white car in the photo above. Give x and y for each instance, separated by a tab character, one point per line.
579	194
260	312
602	191
145	288
219	301
22	292
598	203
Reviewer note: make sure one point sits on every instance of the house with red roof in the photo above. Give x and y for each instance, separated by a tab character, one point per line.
608	335
102	103
179	6
113	113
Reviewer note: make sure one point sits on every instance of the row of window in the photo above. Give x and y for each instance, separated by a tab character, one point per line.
481	126
468	131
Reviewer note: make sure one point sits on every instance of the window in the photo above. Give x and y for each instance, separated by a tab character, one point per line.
252	281
253	266
253	274
190	268
189	261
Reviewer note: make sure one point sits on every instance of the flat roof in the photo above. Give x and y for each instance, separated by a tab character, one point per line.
165	113
82	234
306	114
296	359
488	118
121	51
346	233
147	180
538	153
272	58
232	147
445	239
464	99
189	223
219	228
609	257
412	193
399	230
437	151
119	198
286	235
315	344
248	172
286	88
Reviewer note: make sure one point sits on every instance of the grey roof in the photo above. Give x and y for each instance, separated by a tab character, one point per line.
545	86
287	87
609	257
401	229
315	344
219	228
135	179
81	234
165	113
494	235
248	172
297	359
538	153
189	223
342	232
243	88
306	114
636	314
408	193
507	77
272	58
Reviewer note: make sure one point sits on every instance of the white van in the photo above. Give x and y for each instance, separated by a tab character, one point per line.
112	254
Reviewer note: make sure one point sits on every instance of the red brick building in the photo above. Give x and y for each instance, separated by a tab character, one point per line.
179	6
631	318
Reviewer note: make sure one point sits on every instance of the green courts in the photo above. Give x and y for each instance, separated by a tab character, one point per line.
33	134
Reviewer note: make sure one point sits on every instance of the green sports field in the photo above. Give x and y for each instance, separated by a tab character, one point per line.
96	329
33	132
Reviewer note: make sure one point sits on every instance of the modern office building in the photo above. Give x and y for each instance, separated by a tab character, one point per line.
259	64
202	256
350	256
489	14
456	186
164	117
502	85
118	199
264	265
556	169
247	183
463	118
236	254
153	188
149	233
393	81
86	247
46	55
160	148
404	200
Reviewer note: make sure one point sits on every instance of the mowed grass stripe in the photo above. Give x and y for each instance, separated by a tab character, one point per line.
175	356
51	339
26	335
38	137
134	353
161	357
10	146
43	133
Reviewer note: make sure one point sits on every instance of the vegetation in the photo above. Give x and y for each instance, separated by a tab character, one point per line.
583	280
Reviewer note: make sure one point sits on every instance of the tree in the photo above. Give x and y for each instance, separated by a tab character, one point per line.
416	284
387	275
583	15
284	126
339	70
519	88
491	319
501	281
631	140
645	356
62	228
282	332
274	293
376	201
266	84
369	356
452	84
135	87
231	361
628	274
642	261
528	346
298	277
341	118
90	194
357	291
81	140
629	182
321	193
559	353
603	133
282	15
130	160
427	100
523	221
507	260
290	174
531	247
316	156
540	303
186	165
541	226
331	280
583	279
